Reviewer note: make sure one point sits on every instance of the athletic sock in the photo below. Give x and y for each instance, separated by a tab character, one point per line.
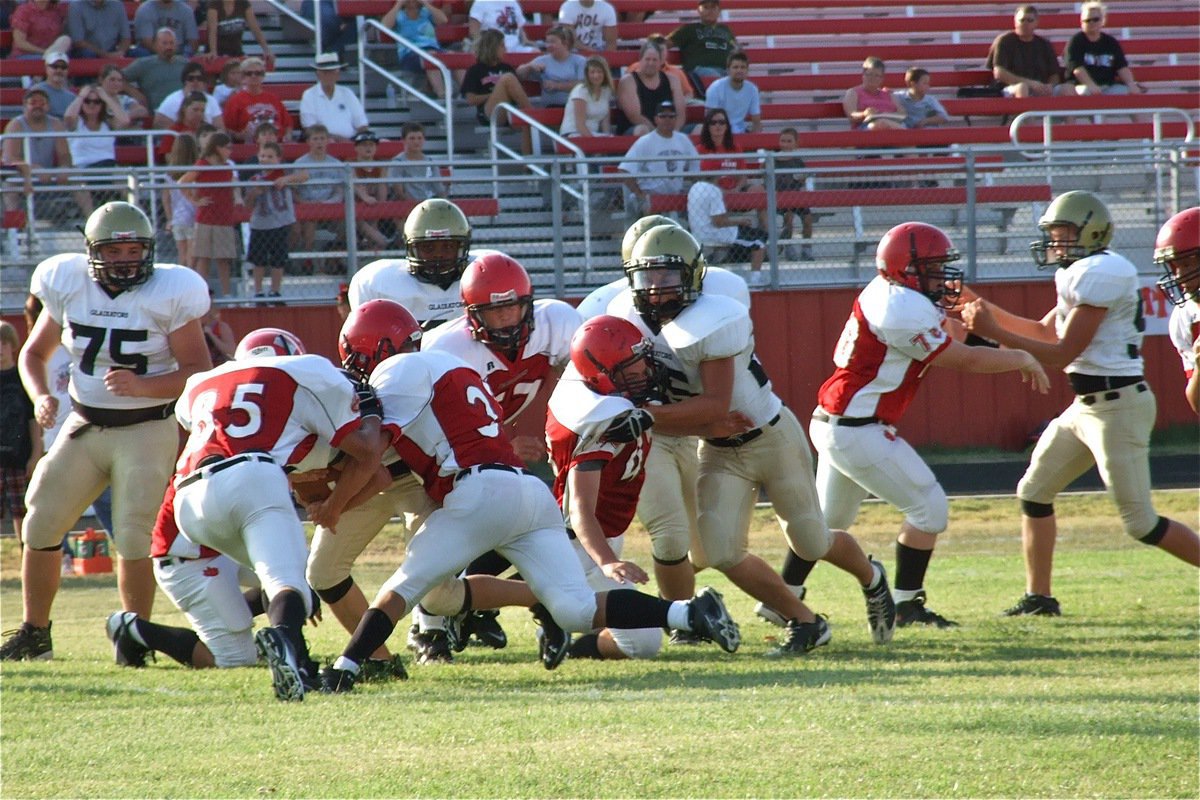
178	643
911	565
796	569
626	608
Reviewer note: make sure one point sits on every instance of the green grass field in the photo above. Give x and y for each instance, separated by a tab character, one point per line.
1102	702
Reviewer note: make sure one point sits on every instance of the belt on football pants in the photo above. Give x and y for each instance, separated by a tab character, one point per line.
743	438
1096	397
208	471
820	415
462	473
173	561
120	417
1094	388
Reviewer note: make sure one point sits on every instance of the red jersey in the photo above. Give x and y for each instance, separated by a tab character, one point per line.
725	161
441	417
575	420
244	112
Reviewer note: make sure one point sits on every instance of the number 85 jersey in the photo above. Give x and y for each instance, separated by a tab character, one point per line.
128	331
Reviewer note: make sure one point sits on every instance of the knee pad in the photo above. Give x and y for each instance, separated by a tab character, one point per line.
1037	510
335	592
446	599
670	545
1155	536
933	513
639	642
669	562
572	614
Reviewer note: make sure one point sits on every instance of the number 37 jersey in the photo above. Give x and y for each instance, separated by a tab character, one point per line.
128	331
284	406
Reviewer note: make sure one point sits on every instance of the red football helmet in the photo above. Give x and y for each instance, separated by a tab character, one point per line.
376	330
1177	251
269	342
496	281
613	357
915	255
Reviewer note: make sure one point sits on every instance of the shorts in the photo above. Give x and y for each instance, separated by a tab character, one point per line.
411	62
215	241
269	247
13	484
184	233
749	239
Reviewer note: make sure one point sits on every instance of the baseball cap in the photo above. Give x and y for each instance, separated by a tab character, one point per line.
32	90
56	58
665	107
365	136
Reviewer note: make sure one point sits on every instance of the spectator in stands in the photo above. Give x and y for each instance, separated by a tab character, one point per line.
194	81
788	179
1023	62
589	111
154	15
189	119
21	447
417	21
657	163
23	172
217	209
717	139
218	335
253	105
869	106
336	31
504	16
55	85
272	215
38	28
133	102
713	226
226	21
737	95
93	112
369	187
559	70
642	93
594	23
178	209
704	46
489	81
341	301
160	74
920	108
40	153
98	28
228	81
324	185
416	177
335	108
664	46
1095	60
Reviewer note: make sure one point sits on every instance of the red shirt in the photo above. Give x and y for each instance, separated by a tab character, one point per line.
244	112
41	26
728	160
220	211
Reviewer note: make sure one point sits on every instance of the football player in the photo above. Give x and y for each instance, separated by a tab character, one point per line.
895	331
1094	334
517	344
1177	251
441	419
251	420
706	342
133	330
204	584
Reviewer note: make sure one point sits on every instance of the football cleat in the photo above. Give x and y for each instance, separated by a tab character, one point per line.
709	619
280	656
1035	605
800	638
881	608
127	650
336	681
483	627
914	612
27	643
768	614
431	647
553	642
379	670
685	638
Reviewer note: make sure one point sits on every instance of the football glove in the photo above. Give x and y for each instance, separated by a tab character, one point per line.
628	426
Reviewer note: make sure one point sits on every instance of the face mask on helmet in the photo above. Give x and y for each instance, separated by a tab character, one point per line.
373	333
1177	251
120	246
916	255
499	299
269	342
660	288
1074	226
613	357
437	238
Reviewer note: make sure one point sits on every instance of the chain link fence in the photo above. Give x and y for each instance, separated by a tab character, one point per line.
816	215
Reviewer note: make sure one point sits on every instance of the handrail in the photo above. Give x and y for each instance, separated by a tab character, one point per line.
311	24
583	196
1047	118
445	105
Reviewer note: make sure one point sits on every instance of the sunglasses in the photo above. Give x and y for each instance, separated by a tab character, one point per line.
1027	19
718	122
1093	19
58	66
253	73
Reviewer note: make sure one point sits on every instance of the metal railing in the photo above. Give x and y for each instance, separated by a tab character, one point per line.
445	105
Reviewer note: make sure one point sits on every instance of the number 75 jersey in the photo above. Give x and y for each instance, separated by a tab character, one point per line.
286	406
128	331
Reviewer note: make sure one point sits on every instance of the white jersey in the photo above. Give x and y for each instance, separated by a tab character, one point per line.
1184	330
280	405
891	336
128	331
1109	281
58	371
389	279
711	328
514	383
716	281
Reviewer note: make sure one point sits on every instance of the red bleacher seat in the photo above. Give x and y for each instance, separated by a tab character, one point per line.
13	219
845	198
398	209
